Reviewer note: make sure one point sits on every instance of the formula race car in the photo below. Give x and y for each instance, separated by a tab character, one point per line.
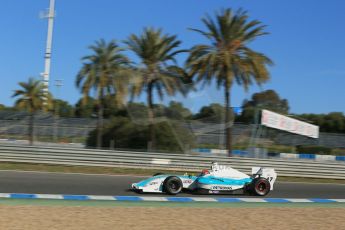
220	179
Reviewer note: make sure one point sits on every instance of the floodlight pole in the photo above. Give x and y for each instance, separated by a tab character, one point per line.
47	56
58	84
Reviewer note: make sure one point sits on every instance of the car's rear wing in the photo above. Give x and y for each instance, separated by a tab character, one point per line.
268	173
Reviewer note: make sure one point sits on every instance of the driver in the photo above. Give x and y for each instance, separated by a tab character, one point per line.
205	172
214	167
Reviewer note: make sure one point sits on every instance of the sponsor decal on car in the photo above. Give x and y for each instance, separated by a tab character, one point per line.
218	187
153	183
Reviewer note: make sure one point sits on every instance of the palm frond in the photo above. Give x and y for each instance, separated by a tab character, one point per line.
227	58
157	53
32	96
100	70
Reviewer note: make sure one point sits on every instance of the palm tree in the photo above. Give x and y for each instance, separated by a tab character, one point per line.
228	59
157	69
32	98
105	73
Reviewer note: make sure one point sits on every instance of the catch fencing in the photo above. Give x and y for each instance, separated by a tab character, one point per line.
48	128
262	153
164	161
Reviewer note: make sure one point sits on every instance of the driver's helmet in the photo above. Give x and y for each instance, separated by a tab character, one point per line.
205	172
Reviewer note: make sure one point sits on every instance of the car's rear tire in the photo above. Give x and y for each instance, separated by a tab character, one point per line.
172	185
260	186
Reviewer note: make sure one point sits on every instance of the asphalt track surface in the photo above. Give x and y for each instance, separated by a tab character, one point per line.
87	184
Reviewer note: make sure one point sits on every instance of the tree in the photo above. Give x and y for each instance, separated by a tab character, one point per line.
335	122
268	99
137	112
156	70
7	108
105	72
31	97
123	133
228	59
211	113
177	111
63	108
85	108
332	122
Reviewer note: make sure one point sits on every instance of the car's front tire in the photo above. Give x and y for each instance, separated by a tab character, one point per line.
172	185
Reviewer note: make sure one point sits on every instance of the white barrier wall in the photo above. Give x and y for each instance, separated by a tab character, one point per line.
219	151
289	155
325	158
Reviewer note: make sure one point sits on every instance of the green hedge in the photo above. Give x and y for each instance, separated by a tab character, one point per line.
313	149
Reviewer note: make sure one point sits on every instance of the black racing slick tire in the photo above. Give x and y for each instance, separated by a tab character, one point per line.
172	185
260	186
157	174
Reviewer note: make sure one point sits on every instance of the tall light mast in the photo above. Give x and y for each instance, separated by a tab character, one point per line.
47	57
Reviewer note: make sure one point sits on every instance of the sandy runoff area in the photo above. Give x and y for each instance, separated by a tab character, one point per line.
104	218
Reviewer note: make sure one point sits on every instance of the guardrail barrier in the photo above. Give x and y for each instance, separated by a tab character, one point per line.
166	161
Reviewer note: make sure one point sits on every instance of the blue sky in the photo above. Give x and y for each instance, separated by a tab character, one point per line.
306	43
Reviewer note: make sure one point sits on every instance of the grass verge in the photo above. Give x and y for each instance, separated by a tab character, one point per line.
127	171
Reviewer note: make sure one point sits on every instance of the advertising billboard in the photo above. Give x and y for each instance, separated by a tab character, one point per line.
278	121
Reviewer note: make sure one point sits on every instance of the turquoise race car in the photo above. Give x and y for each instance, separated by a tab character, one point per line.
219	179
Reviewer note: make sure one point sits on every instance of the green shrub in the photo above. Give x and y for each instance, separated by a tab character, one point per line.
338	152
313	149
281	149
128	135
